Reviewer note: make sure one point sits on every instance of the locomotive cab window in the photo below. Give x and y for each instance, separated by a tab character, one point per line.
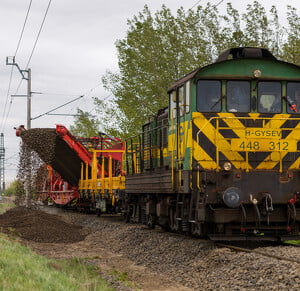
293	97
181	101
209	96
187	96
172	97
238	96
269	97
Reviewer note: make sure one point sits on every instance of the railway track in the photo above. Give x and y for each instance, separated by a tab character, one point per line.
289	244
240	249
196	263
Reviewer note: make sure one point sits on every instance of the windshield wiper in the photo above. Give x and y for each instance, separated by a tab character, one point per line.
215	103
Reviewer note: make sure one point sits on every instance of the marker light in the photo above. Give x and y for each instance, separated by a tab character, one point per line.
256	73
227	166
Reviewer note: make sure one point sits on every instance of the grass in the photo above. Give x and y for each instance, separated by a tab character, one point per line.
123	276
293	242
21	269
5	206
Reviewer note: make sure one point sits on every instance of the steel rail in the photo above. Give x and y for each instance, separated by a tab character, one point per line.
258	252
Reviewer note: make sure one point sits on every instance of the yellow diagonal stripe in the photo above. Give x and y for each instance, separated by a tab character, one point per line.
267	163
212	134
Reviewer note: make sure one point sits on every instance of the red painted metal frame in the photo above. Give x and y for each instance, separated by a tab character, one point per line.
76	143
60	191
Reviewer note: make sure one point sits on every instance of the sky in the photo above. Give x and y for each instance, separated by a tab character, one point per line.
75	48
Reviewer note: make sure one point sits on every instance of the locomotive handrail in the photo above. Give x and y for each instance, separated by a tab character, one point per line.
137	150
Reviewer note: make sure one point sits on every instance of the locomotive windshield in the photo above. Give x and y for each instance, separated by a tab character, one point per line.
269	97
209	96
238	96
293	97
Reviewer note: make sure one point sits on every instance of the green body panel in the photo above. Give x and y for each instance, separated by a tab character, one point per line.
243	68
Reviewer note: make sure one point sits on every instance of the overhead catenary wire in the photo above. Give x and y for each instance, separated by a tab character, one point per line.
12	68
195	4
12	156
35	43
57	94
81	96
23	28
30	57
220	2
87	92
3	120
38	35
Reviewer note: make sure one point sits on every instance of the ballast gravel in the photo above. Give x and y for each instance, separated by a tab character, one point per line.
195	263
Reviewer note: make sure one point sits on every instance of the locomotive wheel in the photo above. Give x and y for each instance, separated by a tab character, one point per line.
173	222
151	221
198	229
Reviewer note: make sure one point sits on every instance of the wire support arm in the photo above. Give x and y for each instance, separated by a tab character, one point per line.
47	113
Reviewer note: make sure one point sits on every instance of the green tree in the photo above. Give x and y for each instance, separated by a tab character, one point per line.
85	125
160	48
291	48
157	50
12	189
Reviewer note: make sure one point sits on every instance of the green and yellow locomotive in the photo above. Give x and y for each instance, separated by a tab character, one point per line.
223	160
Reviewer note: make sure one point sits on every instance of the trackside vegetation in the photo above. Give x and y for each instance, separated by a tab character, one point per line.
5	206
162	46
21	269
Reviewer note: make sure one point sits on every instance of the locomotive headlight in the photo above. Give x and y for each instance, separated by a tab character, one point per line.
232	197
227	166
256	73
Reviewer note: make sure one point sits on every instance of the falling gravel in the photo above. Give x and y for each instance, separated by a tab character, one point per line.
54	151
42	141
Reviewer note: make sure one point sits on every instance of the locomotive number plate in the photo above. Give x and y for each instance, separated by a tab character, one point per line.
263	145
262	133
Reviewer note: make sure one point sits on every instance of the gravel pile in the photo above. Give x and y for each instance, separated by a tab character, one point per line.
38	226
195	263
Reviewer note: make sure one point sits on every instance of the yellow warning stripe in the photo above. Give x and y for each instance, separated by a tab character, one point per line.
212	134
223	145
267	163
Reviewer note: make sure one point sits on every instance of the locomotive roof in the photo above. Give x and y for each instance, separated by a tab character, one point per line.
245	53
239	53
